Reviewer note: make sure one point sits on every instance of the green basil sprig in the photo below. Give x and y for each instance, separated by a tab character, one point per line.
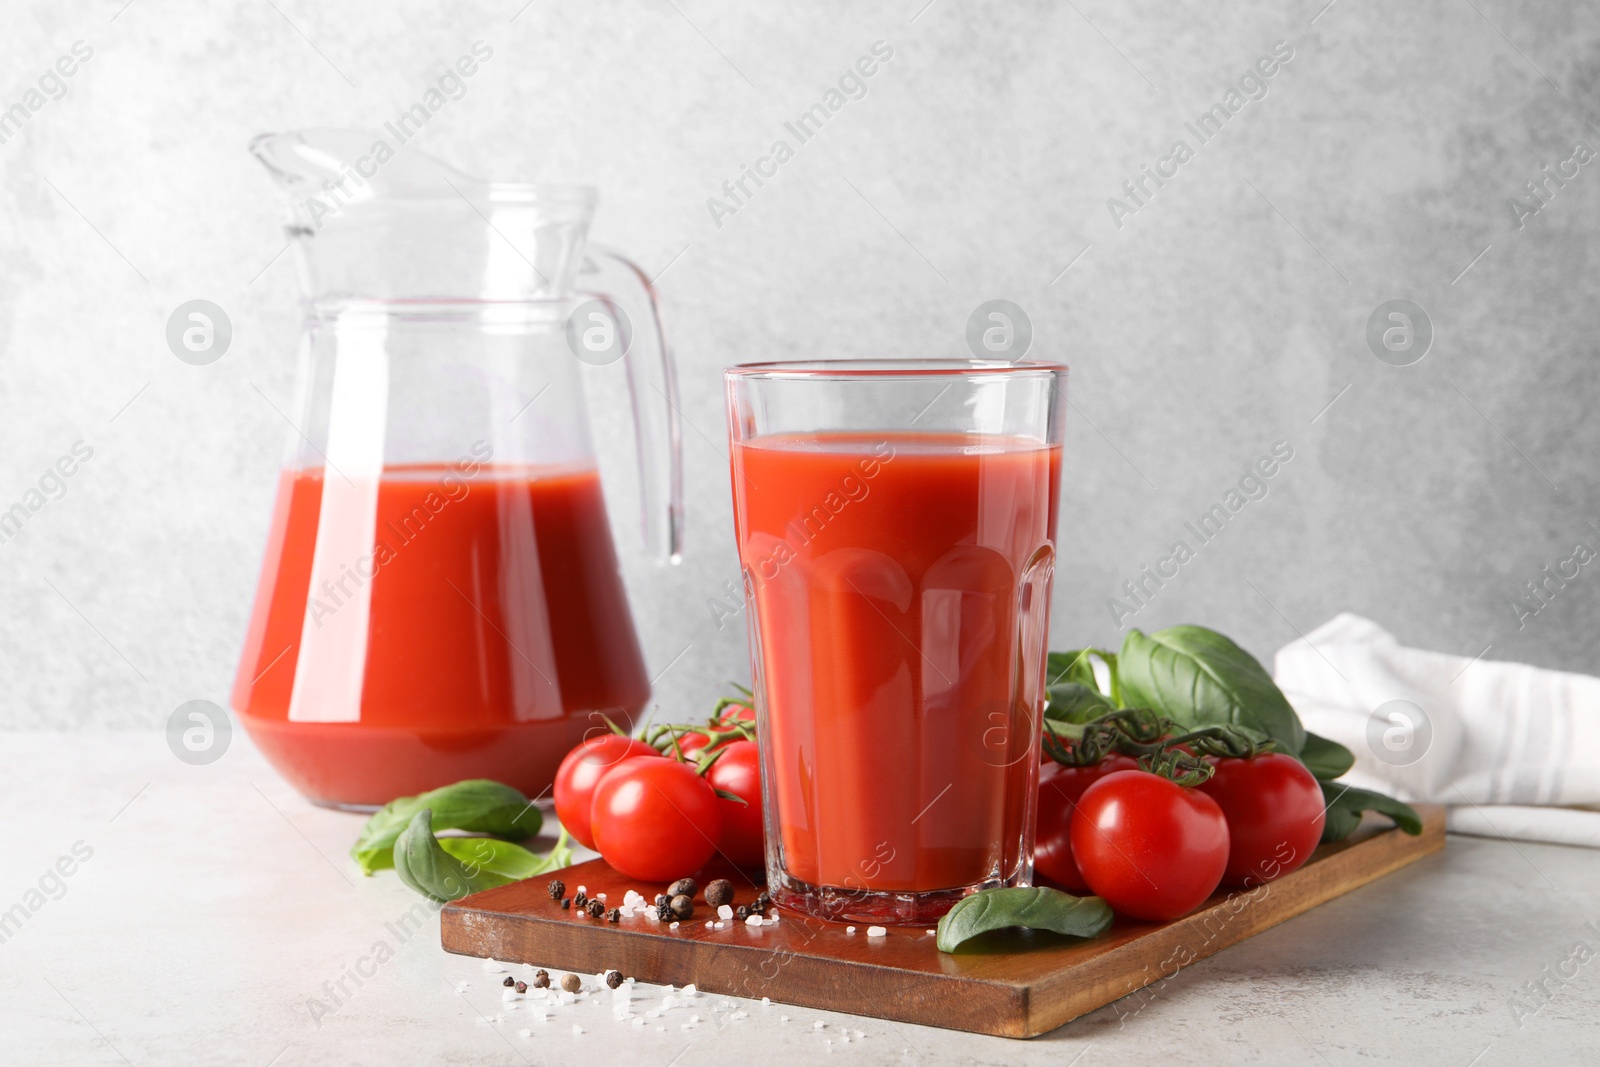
1035	907
504	858
476	805
1326	759
451	868
1074	692
1198	678
1346	803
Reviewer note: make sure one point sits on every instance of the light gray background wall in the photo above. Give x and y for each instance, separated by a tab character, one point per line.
1225	315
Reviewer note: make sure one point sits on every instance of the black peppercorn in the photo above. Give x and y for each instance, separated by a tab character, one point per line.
614	915
566	902
682	906
664	909
509	980
661	898
596	909
522	987
557	889
613	978
719	893
741	912
580	898
685	886
541	979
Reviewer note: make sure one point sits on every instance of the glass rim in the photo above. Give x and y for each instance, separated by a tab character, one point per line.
892	369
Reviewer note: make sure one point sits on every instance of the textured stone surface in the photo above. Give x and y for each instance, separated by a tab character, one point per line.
185	940
1224	315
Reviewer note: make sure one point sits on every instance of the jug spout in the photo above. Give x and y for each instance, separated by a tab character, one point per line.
374	219
341	166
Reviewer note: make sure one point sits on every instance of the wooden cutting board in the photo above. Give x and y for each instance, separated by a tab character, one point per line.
1012	984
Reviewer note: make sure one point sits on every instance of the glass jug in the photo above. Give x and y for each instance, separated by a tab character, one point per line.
440	597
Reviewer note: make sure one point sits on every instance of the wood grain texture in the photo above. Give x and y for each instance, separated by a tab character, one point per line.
1010	983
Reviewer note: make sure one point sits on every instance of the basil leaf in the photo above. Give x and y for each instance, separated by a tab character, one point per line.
506	859
477	805
1073	666
1036	907
1076	703
1077	667
502	856
1197	677
1326	759
424	865
1346	803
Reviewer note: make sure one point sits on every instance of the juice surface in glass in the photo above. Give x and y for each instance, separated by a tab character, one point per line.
900	584
429	625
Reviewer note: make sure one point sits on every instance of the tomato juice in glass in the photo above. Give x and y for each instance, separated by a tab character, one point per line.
896	528
435	623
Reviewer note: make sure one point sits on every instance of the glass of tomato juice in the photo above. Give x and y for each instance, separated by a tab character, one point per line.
896	526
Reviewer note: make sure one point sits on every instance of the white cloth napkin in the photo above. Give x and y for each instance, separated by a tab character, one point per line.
1513	750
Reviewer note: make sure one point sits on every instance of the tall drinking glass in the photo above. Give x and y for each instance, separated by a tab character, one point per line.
896	525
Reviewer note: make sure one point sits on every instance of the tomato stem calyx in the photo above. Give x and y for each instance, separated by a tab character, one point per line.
1160	745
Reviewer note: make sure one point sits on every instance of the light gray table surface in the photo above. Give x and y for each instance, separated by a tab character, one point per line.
214	903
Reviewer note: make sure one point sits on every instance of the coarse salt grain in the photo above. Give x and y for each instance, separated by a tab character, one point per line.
818	1025
691	990
767	1001
710	924
724	911
524	1032
720	925
849	929
577	1029
674	926
638	1020
876	931
929	933
583	889
753	920
493	966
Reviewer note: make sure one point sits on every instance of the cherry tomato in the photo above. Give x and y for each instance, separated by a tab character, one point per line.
738	771
1275	814
582	770
737	713
1059	790
691	746
1151	848
655	819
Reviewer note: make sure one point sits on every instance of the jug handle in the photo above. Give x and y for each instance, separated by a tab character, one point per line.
653	387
